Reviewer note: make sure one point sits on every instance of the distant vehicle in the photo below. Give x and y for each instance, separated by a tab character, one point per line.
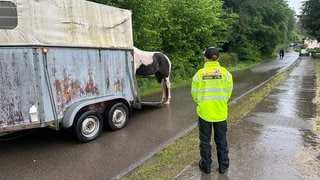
304	52
315	54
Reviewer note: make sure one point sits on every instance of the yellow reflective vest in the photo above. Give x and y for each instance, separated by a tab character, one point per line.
211	89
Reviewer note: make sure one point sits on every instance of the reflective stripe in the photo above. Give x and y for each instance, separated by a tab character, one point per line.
213	98
211	90
228	76
194	90
229	88
196	78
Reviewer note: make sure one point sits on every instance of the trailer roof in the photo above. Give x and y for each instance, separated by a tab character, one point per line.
64	23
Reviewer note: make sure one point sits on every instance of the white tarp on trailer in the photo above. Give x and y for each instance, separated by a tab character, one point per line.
67	23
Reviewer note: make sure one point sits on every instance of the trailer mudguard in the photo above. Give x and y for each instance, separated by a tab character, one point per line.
72	111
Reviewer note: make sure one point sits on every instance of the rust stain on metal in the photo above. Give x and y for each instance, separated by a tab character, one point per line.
90	87
71	87
15	93
119	85
107	78
14	118
75	88
13	62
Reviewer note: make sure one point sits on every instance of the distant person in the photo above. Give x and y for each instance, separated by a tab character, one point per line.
281	53
211	89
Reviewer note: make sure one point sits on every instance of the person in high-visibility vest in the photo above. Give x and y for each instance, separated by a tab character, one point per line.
211	89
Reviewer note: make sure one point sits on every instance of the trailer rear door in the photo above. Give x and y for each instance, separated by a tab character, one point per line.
18	88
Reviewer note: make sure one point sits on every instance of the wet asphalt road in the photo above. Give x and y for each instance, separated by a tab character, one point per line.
48	154
277	139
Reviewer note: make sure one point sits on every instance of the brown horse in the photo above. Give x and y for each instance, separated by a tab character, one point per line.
148	63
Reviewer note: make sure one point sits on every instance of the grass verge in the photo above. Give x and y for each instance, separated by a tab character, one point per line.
172	159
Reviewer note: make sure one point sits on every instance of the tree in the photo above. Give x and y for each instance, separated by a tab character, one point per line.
261	27
310	18
193	26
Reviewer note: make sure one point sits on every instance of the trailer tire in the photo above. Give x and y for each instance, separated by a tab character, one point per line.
88	126
117	116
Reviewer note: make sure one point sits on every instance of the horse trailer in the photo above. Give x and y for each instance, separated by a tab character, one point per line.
66	64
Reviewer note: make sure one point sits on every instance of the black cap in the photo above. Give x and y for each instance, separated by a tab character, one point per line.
211	53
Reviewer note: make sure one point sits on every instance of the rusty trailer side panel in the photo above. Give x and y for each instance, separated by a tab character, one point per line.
18	86
55	80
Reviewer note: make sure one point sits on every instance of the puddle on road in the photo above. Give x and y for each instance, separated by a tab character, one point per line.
291	100
247	79
276	140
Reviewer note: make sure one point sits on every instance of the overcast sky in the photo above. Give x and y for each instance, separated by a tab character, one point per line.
295	5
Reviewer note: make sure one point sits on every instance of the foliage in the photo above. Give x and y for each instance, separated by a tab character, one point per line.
310	18
261	27
194	25
243	30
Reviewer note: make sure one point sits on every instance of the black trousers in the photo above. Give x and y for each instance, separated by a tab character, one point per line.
220	139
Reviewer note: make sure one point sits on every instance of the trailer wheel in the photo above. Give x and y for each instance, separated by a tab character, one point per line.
88	126
117	116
